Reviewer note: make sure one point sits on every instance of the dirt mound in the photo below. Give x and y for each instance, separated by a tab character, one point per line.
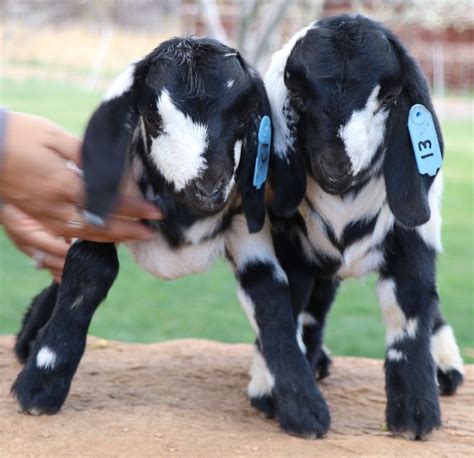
187	398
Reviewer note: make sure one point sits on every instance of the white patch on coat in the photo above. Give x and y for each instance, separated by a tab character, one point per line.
445	350
46	358
364	255
430	232
261	381
411	327
395	355
178	151
121	84
306	319
392	314
299	337
364	132
237	153
249	308
160	259
230	83
246	249
278	93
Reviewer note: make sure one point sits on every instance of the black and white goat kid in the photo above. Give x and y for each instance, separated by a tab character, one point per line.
340	93
183	121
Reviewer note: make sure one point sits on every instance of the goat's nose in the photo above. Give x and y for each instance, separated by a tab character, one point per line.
210	189
334	166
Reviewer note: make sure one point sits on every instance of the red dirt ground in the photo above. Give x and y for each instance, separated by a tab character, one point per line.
187	398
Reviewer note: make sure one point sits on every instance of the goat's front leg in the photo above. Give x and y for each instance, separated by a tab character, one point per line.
408	299
43	384
280	370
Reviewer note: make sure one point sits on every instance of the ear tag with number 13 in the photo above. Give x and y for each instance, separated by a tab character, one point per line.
424	140
263	152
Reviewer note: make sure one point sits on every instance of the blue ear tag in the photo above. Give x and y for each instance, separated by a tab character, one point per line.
424	140
263	152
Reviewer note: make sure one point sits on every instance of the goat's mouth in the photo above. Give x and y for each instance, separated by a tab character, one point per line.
206	203
331	184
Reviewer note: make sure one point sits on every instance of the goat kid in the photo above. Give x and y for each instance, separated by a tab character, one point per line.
186	118
354	202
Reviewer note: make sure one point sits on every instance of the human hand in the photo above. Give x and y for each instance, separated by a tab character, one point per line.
32	238
36	179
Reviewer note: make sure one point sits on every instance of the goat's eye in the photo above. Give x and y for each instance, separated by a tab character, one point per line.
297	100
389	99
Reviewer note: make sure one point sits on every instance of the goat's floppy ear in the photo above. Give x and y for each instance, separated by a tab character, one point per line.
407	189
105	147
287	169
253	198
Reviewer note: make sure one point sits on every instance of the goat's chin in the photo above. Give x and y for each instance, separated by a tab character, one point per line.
205	208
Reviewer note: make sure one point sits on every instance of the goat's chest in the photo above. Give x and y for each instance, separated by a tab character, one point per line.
199	248
345	234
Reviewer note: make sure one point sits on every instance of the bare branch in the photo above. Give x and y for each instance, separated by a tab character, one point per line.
214	23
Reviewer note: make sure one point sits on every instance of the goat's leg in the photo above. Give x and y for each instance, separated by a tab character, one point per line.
312	320
38	314
43	384
408	299
445	351
264	294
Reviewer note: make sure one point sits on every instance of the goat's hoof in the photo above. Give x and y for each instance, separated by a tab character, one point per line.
39	391
323	364
264	404
303	413
414	418
449	381
23	346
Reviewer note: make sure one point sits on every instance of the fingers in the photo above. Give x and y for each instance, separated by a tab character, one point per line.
48	243
65	144
136	207
116	230
48	261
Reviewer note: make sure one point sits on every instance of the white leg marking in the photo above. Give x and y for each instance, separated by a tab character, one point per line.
249	309
445	351
411	327
246	248
46	358
299	337
395	355
398	327
392	314
306	319
178	152
262	381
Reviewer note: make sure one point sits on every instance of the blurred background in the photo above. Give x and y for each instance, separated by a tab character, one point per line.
57	57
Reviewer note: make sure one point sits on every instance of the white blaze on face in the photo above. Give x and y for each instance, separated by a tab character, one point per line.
364	132
178	151
122	83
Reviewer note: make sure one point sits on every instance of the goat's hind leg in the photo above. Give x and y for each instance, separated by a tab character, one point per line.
447	357
37	315
312	320
43	384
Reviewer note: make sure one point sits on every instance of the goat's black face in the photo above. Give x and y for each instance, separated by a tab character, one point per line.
343	77
195	101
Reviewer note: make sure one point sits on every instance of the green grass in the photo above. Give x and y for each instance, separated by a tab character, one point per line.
141	308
